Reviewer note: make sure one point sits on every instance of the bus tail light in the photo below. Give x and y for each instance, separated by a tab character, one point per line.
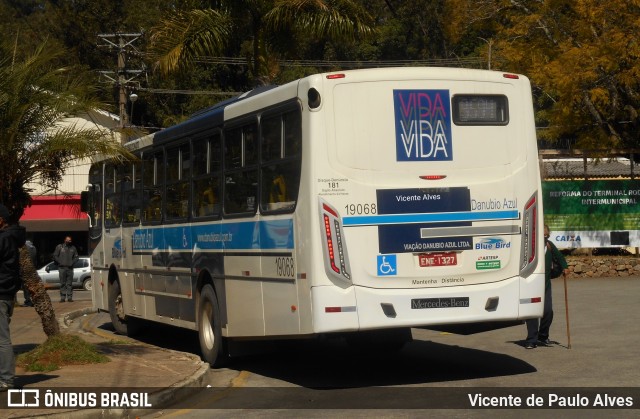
528	253
336	260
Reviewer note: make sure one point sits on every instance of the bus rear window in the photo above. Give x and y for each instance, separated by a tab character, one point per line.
480	110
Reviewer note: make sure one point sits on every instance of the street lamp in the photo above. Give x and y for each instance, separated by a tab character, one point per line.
489	45
132	97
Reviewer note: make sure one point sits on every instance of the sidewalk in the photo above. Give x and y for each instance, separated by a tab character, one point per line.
158	371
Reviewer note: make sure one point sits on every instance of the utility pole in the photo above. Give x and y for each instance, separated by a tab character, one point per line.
123	76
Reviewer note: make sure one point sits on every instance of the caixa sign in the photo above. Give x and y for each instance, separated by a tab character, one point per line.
568	238
423	125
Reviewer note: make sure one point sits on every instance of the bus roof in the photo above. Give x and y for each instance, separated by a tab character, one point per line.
205	118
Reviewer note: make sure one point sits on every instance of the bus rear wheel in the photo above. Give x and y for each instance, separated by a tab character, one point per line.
123	324
116	308
212	345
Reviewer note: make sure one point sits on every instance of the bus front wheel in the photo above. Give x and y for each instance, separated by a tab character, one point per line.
210	328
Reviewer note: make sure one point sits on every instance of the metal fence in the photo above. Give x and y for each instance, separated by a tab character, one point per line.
588	164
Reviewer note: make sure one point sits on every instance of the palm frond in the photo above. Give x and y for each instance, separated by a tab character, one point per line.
179	39
37	95
336	20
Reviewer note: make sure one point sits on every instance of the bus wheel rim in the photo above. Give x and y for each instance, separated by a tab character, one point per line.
207	327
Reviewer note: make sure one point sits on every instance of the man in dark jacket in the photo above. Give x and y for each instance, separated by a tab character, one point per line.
11	239
538	331
65	256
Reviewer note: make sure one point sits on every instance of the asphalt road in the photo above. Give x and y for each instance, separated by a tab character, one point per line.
439	370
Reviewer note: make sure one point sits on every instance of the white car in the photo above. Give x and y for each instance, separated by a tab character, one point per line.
81	274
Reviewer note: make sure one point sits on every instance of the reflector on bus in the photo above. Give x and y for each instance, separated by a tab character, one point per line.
336	260
528	255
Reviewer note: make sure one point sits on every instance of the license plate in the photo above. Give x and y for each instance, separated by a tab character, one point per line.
437	259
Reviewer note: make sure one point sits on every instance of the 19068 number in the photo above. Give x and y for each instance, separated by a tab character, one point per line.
359	209
285	267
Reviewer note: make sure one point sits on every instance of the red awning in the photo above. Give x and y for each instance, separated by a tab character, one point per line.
54	213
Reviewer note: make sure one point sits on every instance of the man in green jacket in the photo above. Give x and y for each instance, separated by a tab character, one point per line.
540	335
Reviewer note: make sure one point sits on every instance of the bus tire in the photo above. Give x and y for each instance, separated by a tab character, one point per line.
135	326
212	345
116	308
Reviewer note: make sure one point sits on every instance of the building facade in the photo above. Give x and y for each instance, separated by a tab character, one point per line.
54	215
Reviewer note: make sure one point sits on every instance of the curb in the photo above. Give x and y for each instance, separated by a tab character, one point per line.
158	399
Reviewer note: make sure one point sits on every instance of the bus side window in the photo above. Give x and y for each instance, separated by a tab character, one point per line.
274	186
207	197
280	161
152	179
178	169
132	193
206	176
241	169
112	211
95	207
153	210
113	196
278	191
240	192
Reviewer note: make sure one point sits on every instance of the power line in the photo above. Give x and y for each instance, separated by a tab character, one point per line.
188	92
315	63
349	63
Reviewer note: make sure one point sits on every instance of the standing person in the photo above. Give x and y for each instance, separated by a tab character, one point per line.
11	239
541	335
33	253
65	256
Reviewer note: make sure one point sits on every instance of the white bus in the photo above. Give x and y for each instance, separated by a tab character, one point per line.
362	202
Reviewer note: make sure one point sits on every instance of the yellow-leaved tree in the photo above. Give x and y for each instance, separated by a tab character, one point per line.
582	57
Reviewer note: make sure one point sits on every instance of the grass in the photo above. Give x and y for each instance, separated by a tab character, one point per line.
118	342
60	350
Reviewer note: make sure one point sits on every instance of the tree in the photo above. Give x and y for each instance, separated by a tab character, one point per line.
582	58
36	94
183	37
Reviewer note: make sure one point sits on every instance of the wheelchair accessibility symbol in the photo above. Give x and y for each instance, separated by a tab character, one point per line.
387	265
185	241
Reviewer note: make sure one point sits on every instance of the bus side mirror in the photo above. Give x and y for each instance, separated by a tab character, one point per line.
84	201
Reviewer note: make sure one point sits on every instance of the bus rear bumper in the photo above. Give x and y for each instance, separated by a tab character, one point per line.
360	308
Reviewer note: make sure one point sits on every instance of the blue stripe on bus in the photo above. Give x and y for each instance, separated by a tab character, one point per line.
439	217
247	235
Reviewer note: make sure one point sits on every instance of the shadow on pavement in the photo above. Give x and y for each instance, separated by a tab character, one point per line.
35	379
331	363
20	349
327	364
